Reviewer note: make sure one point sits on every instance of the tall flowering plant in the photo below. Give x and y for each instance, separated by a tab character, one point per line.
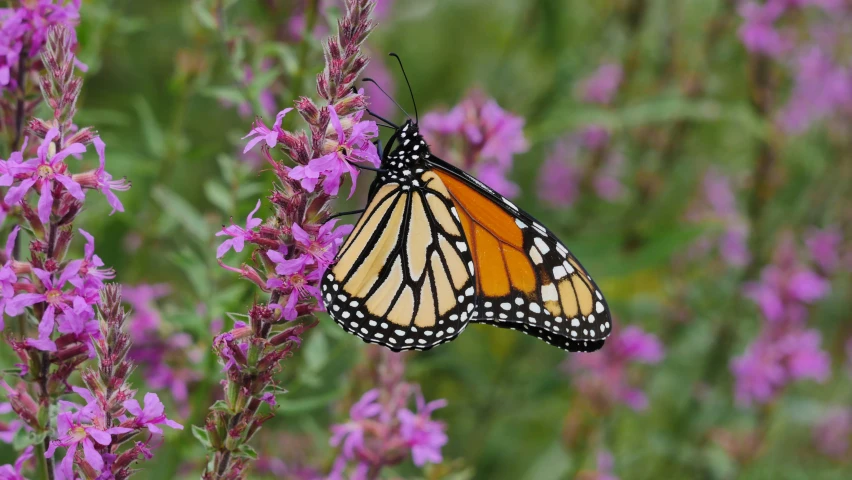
58	296
293	247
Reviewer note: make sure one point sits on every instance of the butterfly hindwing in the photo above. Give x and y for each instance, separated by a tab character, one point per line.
527	279
404	277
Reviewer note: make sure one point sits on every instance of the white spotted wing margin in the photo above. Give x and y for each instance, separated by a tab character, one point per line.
581	322
404	278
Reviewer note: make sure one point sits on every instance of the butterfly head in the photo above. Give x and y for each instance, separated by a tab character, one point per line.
409	149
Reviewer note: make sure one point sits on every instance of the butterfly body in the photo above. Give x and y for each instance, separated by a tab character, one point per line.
436	249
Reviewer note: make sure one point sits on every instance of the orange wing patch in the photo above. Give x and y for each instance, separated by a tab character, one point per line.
495	239
523	275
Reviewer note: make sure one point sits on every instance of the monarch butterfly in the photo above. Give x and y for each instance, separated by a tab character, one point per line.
436	249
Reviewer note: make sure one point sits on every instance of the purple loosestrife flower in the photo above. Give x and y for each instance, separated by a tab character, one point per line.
323	246
718	206
775	360
239	235
833	432
602	85
479	136
357	146
787	286
825	246
606	375
423	435
101	180
349	436
10	472
40	172
758	33
23	31
152	415
84	428
8	276
559	179
603	471
54	296
261	133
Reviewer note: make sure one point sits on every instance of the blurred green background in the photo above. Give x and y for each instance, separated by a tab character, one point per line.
162	82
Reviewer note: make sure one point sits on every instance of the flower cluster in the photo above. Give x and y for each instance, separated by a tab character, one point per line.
110	416
164	358
585	161
382	431
718	207
480	137
293	247
822	87
56	293
785	350
605	376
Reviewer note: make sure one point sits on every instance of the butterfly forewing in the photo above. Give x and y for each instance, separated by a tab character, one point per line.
404	278
527	279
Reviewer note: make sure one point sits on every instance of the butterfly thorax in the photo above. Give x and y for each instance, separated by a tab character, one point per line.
407	161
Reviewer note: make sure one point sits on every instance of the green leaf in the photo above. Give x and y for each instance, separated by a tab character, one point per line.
205	18
247	451
200	434
24	439
151	130
229	94
219	195
220	406
182	211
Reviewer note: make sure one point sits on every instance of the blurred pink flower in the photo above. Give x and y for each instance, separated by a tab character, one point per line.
480	137
559	177
774	360
824	246
423	435
758	32
605	373
10	472
833	432
787	286
601	86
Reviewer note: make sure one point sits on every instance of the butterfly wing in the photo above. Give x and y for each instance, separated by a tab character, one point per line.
404	278
526	279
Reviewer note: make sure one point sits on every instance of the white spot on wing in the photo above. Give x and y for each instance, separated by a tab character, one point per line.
548	293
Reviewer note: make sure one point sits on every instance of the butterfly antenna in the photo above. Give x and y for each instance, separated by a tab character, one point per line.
411	92
395	126
386	94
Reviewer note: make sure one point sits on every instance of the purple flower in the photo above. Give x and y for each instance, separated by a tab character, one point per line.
27	26
8	277
152	415
42	171
238	235
559	177
758	33
356	147
606	373
53	296
833	431
423	435
605	464
774	360
102	180
822	89
351	434
481	137
141	297
824	246
9	472
91	274
81	428
786	286
602	85
295	280
261	132
322	247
